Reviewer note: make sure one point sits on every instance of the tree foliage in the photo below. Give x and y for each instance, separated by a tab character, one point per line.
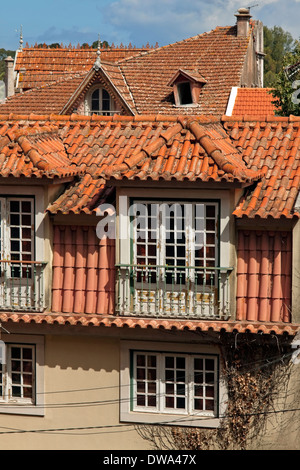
286	89
3	54
277	43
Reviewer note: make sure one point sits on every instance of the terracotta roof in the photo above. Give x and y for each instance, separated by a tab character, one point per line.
272	147
33	150
45	99
110	77
39	66
62	96
161	324
218	56
147	148
252	101
215	58
262	155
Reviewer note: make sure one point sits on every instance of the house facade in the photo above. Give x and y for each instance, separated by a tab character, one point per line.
132	249
148	250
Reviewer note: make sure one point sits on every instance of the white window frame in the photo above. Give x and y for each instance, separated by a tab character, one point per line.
165	207
5	222
123	229
23	405
130	412
88	102
40	244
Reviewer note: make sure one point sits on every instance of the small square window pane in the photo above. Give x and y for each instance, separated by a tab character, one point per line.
27	392
210	364
151	400
140	400
169	362
16	391
180	403
140	360
16	353
16	378
26	219
151	361
27	353
14	206
198	404
15	219
26	206
209	405
180	362
169	402
27	379
151	387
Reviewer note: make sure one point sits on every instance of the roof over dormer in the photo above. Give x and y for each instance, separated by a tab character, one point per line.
109	77
192	75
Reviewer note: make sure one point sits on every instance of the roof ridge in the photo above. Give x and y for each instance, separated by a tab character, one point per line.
259	118
224	162
115	118
191	38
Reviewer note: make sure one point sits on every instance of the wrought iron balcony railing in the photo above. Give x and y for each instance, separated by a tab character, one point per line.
173	291
22	285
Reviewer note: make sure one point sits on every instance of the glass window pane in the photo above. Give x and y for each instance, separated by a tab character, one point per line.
26	206
14	206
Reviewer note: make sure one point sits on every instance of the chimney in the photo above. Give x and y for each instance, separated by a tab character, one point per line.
243	22
9	77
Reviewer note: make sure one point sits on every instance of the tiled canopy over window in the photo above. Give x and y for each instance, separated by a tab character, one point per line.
264	275
83	271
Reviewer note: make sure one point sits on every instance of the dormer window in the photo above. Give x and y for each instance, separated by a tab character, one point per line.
100	102
187	86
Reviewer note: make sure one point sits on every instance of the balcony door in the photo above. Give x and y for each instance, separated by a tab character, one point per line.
175	252
18	271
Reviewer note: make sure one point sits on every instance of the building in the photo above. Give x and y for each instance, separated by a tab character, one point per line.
85	311
144	257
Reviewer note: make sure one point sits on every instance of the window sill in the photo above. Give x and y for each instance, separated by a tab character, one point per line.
169	419
21	409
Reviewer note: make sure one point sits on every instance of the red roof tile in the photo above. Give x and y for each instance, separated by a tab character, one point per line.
33	150
46	99
145	148
39	66
86	320
215	58
273	148
218	56
262	155
254	102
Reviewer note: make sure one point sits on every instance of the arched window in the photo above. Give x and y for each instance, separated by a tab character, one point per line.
101	102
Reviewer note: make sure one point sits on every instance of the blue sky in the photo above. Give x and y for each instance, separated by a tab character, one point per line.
132	21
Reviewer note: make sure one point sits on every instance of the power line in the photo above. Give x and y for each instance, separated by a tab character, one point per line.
117	426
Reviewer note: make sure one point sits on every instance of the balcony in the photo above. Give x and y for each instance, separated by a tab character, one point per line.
173	291
22	286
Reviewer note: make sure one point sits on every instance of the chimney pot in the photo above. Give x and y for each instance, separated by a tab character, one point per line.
243	22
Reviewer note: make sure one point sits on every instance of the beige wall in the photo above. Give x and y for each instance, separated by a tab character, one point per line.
87	367
74	363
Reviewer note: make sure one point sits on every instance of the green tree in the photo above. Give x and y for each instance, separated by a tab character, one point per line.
102	43
277	43
286	89
3	54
